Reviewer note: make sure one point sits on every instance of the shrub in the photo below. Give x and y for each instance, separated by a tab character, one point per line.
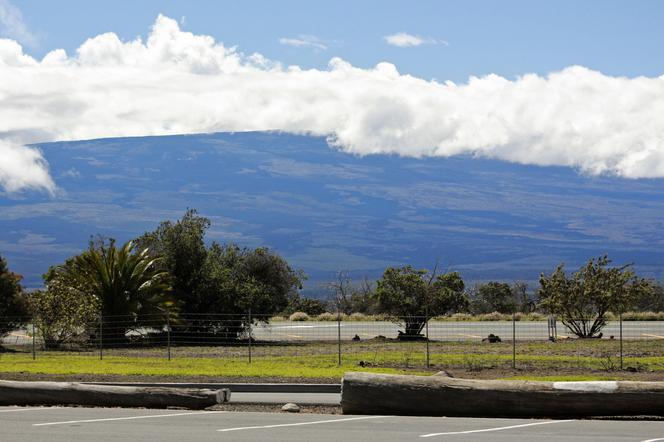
494	316
642	316
358	317
536	316
62	315
299	316
462	317
326	316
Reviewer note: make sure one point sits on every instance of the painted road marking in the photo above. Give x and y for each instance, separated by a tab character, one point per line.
653	440
297	424
85	421
653	336
486	430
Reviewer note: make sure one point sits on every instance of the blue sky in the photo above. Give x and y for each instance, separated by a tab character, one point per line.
509	38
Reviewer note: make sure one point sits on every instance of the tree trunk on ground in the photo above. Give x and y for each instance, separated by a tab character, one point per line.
69	393
367	393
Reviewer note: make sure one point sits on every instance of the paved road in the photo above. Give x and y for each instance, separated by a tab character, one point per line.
447	331
444	331
84	424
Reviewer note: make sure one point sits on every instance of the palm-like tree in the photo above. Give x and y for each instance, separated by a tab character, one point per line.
127	283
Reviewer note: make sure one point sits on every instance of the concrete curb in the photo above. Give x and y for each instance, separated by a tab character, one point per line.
235	387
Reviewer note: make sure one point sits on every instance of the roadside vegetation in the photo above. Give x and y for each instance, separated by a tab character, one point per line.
170	283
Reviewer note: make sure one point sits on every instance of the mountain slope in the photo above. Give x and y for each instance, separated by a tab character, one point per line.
325	210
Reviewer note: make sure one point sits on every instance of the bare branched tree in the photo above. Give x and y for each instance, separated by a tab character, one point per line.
342	290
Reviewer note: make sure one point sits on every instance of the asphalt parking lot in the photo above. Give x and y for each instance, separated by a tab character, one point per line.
102	424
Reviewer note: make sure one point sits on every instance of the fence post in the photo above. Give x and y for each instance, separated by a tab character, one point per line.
513	340
101	337
621	340
168	334
250	335
339	336
426	326
34	351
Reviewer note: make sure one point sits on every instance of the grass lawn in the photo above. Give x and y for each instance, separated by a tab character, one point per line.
563	360
286	367
312	366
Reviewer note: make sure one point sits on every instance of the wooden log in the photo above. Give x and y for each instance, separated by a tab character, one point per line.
70	393
368	393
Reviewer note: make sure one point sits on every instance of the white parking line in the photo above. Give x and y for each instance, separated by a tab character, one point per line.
653	440
84	421
486	430
301	423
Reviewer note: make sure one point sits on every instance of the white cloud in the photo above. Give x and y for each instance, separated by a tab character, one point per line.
405	40
12	24
176	82
304	41
23	167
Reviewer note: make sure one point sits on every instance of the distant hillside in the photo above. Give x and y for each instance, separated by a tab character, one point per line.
325	210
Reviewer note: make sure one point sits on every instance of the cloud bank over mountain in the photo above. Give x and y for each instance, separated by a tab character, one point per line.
176	82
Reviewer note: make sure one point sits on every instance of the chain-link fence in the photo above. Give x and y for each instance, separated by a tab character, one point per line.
470	345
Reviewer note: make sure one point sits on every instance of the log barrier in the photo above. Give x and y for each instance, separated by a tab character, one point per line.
370	393
71	393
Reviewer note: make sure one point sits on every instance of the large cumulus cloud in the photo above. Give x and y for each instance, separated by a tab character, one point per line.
177	82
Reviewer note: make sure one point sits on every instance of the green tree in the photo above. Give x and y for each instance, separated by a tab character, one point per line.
493	297
414	296
525	301
13	307
181	246
652	301
236	280
220	279
125	282
583	299
310	306
63	315
363	298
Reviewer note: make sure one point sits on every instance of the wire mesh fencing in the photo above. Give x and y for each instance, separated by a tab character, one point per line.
352	342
